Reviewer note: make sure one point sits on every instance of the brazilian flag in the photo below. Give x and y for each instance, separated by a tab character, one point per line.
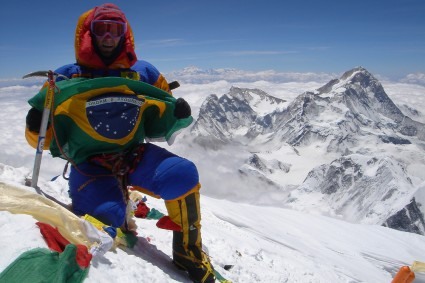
106	115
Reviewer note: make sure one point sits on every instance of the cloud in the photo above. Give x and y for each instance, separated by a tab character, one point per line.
19	82
172	42
168	42
416	78
318	48
256	52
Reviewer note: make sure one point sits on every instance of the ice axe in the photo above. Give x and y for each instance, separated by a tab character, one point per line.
51	88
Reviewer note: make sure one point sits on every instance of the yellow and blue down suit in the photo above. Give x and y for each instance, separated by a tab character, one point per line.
93	187
157	171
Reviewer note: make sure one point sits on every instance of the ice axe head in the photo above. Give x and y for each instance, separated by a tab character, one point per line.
44	74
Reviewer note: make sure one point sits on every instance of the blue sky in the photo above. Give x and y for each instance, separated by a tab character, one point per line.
386	37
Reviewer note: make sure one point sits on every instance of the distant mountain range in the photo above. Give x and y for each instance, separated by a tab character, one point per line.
349	121
196	75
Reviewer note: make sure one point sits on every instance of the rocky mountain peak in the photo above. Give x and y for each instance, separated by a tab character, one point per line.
355	71
234	113
350	120
254	96
367	101
358	76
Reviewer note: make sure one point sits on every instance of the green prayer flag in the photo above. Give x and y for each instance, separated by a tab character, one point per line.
43	265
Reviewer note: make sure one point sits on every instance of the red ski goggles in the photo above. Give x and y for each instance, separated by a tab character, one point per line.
102	27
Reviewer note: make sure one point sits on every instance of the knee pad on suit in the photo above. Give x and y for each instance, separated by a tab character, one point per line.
175	176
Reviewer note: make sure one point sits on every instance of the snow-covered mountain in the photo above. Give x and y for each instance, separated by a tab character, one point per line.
370	143
355	105
232	115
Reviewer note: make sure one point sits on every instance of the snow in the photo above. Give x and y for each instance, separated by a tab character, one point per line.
265	243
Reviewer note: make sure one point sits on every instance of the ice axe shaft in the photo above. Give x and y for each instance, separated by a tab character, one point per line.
51	87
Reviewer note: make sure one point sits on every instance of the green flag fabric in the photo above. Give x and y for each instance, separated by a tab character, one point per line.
43	265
